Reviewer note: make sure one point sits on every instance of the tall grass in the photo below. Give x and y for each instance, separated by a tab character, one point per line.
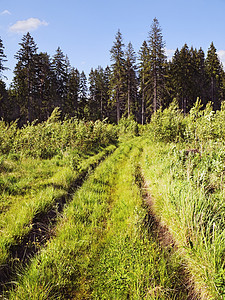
61	266
102	249
37	186
54	137
188	192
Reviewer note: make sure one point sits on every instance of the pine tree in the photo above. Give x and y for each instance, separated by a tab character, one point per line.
61	67
3	92
130	71
98	93
181	71
45	99
2	58
157	60
214	71
118	73
144	77
25	77
71	104
83	111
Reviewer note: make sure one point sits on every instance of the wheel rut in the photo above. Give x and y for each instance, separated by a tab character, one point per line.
163	236
42	230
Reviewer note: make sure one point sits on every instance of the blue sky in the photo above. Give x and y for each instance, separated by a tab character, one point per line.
85	29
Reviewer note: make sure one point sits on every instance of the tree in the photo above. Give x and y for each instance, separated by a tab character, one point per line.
144	77
61	68
157	59
98	93
2	59
181	76
118	73
131	78
71	104
25	77
83	111
44	87
3	92
215	72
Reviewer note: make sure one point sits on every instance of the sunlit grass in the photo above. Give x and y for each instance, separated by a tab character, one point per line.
102	248
188	197
36	187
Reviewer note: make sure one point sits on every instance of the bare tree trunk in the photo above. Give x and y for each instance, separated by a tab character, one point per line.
101	104
29	99
142	107
212	90
155	92
128	100
117	105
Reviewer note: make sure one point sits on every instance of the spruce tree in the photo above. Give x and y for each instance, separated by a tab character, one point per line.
83	111
118	74
3	92
215	72
157	60
144	78
60	66
44	87
131	78
25	78
71	103
2	59
98	91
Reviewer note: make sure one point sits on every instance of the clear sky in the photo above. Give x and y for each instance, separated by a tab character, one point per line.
85	29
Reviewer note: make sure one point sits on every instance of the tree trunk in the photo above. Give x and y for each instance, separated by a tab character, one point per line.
155	92
142	107
117	105
128	100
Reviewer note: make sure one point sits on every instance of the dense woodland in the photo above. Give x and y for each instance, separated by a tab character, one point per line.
135	84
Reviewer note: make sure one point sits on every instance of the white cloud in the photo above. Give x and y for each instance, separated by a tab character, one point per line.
5	12
169	53
27	25
221	54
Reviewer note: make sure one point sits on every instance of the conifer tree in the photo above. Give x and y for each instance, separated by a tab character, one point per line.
215	72
45	101
3	92
2	59
98	91
83	111
71	104
25	77
157	59
144	77
60	66
118	73
131	78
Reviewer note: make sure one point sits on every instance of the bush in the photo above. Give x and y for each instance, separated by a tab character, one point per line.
167	124
54	137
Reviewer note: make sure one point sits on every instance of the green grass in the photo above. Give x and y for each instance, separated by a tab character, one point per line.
102	248
36	186
188	197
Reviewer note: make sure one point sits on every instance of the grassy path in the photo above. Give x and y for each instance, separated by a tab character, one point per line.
103	246
26	225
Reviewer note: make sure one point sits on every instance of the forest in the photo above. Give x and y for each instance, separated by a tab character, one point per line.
135	84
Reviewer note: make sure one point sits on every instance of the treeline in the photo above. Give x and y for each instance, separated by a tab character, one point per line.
135	84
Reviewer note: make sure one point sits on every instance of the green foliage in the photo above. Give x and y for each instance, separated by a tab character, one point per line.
54	137
167	124
127	128
197	128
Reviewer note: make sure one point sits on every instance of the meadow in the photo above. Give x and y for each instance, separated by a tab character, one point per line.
91	210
